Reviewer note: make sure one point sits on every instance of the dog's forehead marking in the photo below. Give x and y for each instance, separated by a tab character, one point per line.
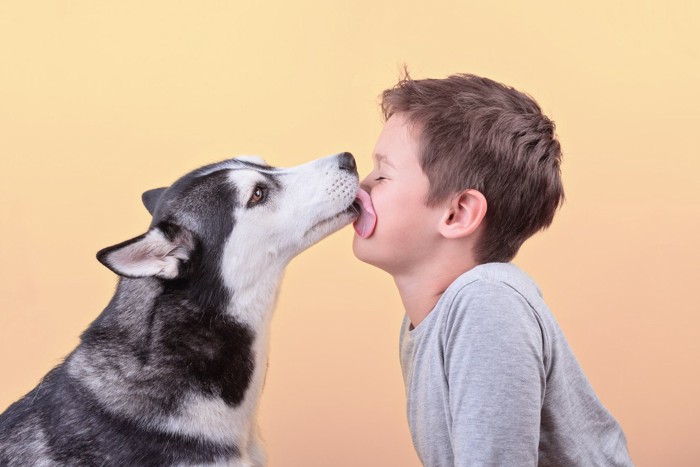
254	159
240	164
247	179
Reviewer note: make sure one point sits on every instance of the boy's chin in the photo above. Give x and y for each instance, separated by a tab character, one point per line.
361	249
367	252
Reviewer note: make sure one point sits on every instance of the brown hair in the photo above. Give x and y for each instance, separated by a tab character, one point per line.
478	134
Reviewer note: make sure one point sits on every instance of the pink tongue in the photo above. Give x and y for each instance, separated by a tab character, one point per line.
364	225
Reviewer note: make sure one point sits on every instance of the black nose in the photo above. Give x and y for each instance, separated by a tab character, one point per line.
347	162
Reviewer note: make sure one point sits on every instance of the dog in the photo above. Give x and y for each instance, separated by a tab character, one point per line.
171	372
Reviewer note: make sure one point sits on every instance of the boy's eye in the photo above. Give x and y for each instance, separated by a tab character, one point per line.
378	179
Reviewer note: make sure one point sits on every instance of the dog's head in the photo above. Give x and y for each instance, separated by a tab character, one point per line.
238	214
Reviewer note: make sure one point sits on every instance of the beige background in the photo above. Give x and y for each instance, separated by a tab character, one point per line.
100	100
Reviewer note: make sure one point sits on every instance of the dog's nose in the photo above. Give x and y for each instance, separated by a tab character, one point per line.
347	162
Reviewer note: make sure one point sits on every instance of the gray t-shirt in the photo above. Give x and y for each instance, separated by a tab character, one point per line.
491	381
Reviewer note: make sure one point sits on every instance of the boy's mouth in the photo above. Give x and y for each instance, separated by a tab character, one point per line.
367	220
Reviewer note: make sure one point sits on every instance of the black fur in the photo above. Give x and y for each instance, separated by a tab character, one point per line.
81	433
157	340
150	198
121	398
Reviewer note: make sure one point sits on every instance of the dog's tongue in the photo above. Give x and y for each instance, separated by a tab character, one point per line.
364	225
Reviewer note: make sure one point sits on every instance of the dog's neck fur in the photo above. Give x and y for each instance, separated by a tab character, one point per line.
162	334
171	371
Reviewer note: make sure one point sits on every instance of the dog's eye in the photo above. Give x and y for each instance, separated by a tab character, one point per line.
258	195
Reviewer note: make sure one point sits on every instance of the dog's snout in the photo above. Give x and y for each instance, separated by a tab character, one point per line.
347	162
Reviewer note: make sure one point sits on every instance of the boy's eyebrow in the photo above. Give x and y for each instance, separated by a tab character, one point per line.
382	159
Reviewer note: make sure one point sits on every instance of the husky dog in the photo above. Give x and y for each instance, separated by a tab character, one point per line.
172	370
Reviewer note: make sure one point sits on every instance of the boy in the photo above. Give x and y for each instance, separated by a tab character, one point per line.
466	169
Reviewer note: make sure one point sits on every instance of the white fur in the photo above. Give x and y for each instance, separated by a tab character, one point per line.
153	255
310	202
234	164
210	418
308	205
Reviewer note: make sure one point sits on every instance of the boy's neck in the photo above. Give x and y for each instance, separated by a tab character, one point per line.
421	291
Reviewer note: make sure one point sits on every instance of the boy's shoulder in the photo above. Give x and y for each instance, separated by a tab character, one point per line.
493	299
496	296
497	278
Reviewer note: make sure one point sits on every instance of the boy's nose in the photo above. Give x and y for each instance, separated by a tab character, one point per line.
346	161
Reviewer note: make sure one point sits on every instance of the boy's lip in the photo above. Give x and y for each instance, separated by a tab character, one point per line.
367	220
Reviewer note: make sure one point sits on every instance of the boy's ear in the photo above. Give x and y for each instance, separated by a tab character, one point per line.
150	198
160	252
463	215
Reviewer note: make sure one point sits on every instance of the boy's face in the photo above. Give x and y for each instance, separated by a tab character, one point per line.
406	228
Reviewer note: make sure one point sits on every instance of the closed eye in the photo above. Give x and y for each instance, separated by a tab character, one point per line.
379	179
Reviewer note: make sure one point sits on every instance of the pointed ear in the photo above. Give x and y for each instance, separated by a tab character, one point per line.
160	252
463	215
150	198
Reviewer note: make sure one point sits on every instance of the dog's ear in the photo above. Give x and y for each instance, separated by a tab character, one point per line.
160	252
150	198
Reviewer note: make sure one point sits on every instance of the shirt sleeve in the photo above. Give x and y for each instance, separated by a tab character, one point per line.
494	366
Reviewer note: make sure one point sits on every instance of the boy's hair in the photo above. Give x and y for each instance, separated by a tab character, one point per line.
478	134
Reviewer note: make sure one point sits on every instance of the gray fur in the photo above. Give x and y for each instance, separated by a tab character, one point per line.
171	371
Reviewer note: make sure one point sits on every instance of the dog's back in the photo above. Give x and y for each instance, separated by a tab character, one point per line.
23	440
56	424
112	400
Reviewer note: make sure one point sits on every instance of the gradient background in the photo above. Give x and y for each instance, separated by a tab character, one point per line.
100	101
